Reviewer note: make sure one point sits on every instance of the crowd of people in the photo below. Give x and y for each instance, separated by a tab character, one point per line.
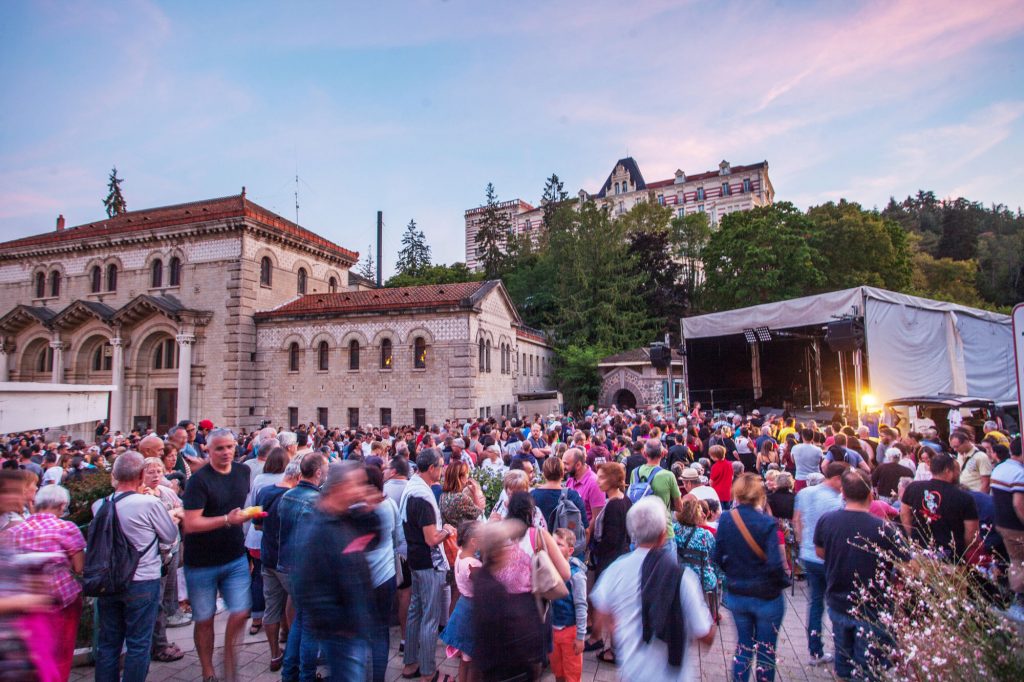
621	533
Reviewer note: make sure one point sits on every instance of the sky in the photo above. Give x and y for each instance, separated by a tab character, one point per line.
411	108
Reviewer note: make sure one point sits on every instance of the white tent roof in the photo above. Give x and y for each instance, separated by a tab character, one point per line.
817	309
915	345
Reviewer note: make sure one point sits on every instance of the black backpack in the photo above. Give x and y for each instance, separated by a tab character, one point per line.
110	557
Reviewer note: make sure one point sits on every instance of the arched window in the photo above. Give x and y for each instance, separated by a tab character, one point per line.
102	358
420	353
174	276
54	283
332	285
166	355
353	354
481	363
111	277
157	274
488	356
40	285
95	279
301	284
385	354
293	357
44	362
266	268
323	352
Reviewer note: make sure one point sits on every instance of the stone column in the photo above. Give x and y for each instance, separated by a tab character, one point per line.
5	358
117	398
185	342
57	376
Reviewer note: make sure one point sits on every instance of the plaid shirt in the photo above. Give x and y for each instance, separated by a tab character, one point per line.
47	533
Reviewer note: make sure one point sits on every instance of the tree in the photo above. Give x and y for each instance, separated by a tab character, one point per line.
689	235
946	279
759	256
577	374
492	235
960	228
653	263
368	269
554	195
435	274
114	203
1001	268
415	253
855	247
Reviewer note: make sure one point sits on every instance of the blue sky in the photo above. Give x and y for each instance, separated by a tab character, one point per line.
412	107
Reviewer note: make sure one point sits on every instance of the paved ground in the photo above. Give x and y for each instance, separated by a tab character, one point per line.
714	659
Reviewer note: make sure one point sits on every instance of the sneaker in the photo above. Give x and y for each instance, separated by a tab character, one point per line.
179	620
824	659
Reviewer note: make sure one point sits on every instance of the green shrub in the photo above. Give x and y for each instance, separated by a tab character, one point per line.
89	488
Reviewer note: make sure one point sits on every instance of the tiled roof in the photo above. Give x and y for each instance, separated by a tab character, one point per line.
657	184
531	334
638	355
462	295
236	206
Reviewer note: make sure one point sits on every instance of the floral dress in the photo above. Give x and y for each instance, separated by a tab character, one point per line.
458	507
696	547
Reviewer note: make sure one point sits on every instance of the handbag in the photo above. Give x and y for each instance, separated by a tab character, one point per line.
781	582
545	581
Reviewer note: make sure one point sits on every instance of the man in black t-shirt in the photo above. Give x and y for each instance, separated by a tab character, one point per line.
938	511
855	545
215	549
677	452
421	521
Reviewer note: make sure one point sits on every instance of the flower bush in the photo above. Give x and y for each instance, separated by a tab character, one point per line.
491	483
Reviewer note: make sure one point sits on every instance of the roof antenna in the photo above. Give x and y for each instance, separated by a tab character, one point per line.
296	193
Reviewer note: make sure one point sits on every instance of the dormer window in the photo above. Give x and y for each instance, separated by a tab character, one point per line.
724	168
616	188
680	177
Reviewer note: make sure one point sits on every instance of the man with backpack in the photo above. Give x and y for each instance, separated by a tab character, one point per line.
122	569
651	479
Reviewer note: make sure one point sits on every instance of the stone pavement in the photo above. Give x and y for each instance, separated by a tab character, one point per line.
715	659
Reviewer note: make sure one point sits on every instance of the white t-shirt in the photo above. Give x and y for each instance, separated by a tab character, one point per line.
142	517
618	592
705	492
53	475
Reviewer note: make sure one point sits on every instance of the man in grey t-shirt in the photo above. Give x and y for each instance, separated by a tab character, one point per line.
127	619
807	457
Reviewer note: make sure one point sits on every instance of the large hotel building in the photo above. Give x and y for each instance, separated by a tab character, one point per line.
730	188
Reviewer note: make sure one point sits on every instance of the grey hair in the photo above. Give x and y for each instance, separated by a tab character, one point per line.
219	432
52	497
652	448
287	439
153	462
815	479
292	470
174	430
128	467
893	455
737	468
991	425
646	520
266	445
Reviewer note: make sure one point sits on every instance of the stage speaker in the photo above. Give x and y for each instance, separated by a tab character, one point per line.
661	355
844	336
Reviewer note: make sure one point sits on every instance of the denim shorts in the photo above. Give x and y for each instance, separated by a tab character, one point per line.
230	579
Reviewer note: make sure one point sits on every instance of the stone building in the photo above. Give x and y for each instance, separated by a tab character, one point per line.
162	303
728	189
628	380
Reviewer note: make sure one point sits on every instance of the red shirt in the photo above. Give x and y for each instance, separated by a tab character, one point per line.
721	479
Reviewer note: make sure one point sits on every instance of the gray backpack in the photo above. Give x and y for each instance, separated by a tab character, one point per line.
567	515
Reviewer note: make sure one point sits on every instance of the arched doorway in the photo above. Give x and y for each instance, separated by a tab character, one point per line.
625	399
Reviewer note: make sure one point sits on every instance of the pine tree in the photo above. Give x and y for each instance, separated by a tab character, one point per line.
492	236
368	269
114	203
554	195
415	253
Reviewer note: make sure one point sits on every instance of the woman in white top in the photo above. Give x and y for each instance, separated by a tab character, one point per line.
273	472
516	481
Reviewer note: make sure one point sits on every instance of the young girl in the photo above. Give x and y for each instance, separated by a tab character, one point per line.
458	634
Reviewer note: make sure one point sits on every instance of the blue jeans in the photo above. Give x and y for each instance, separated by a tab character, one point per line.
346	658
384	599
855	653
231	579
301	652
815	606
127	619
757	632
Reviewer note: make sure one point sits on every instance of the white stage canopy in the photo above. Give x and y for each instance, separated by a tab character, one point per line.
915	346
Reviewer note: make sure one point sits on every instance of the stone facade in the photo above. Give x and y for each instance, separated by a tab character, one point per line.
628	380
162	303
717	193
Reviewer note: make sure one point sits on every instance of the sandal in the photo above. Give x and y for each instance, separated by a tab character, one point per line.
168	654
276	663
255	628
607	656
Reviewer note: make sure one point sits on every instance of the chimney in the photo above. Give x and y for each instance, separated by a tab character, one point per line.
60	222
